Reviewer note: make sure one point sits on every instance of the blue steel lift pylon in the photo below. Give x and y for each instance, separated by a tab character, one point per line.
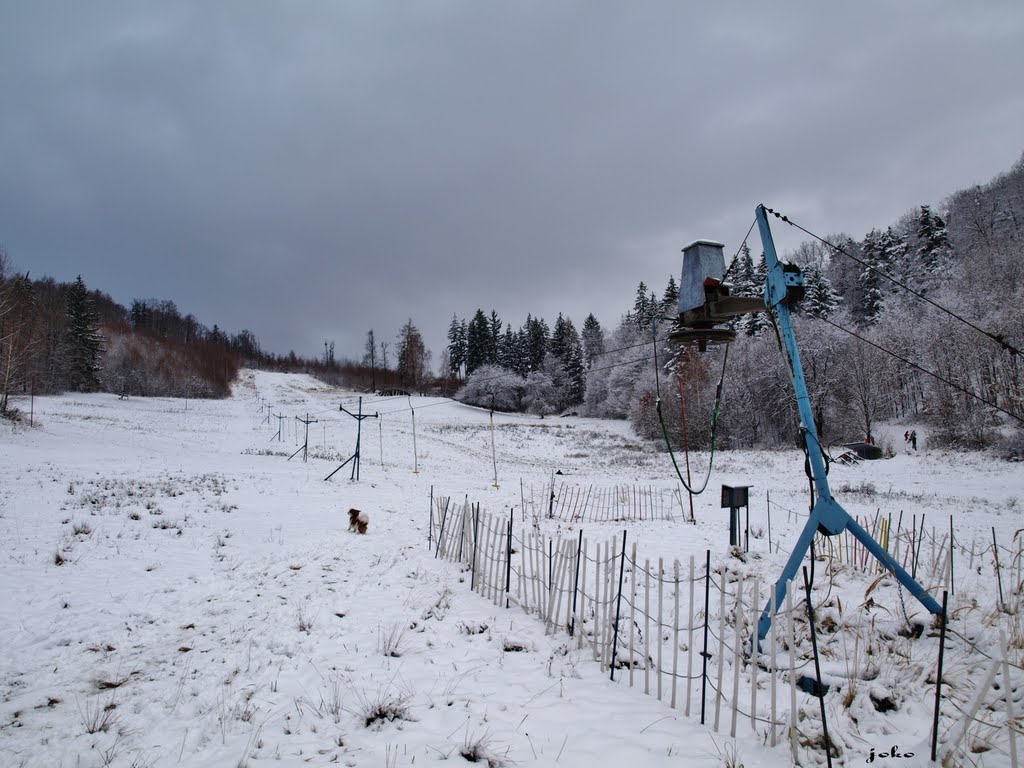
828	517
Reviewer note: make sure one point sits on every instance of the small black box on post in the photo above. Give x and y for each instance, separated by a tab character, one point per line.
734	497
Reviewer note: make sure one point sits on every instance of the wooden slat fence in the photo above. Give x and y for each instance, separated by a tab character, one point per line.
650	632
593	504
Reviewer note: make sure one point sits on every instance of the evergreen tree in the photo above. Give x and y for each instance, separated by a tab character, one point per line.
565	362
85	342
743	280
456	346
559	337
644	306
869	280
494	326
670	298
754	323
820	300
593	340
933	248
536	331
575	371
893	256
509	353
478	342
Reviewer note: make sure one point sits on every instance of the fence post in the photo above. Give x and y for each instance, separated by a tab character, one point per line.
704	653
792	672
817	669
938	678
1008	688
952	589
661	622
440	533
508	558
632	618
689	642
618	603
774	668
575	585
476	544
737	628
647	626
675	636
755	602
999	575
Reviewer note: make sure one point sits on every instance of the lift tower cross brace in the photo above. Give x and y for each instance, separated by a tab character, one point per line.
783	282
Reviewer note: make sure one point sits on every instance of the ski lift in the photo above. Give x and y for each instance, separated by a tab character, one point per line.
705	301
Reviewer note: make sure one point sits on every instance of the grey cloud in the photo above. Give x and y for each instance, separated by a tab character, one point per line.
320	169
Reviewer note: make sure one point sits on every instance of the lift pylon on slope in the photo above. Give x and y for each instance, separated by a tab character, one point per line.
705	302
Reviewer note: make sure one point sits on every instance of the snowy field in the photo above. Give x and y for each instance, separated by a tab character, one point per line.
177	592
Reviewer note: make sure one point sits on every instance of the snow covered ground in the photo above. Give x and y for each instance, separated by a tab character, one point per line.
177	592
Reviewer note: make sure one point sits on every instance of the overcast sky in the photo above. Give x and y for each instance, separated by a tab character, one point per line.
313	170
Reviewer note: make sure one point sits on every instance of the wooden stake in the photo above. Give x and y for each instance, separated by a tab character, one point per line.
755	602
774	667
689	641
737	641
632	617
1008	695
723	580
661	622
647	626
675	635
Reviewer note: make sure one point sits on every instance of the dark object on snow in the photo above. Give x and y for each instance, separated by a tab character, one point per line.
393	393
812	687
865	450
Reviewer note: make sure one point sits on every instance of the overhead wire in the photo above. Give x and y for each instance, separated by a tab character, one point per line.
924	370
996	337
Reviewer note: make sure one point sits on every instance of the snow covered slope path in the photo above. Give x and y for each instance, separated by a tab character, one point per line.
174	596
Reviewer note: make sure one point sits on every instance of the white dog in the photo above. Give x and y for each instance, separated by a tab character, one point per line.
358	521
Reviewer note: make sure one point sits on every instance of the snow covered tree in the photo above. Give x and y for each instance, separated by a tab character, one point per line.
933	244
870	281
645	306
575	373
492	386
819	300
754	323
85	342
892	252
565	362
456	346
670	298
593	340
541	394
611	385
